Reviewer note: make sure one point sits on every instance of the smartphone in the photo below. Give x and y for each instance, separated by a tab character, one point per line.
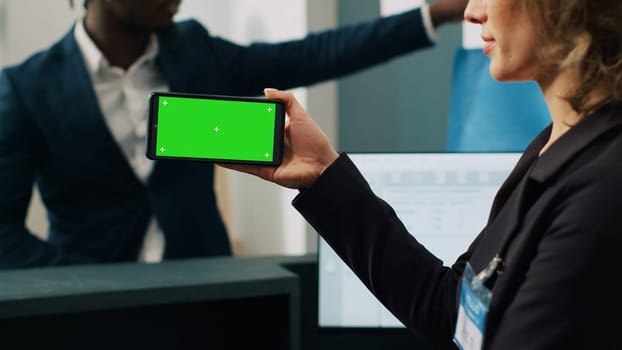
223	129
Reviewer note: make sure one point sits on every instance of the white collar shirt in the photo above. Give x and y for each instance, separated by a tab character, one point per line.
122	96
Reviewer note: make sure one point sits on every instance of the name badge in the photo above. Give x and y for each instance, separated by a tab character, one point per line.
474	303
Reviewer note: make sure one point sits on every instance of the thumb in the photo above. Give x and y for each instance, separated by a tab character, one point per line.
292	107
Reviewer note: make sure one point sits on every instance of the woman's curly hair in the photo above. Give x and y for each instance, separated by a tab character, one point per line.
586	34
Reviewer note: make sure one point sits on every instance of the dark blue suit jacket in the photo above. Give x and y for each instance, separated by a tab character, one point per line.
52	132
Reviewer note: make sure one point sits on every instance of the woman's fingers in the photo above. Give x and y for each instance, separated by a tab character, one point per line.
292	106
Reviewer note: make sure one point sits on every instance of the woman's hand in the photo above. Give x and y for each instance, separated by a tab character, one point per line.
307	151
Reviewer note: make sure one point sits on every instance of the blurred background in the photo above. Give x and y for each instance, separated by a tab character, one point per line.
398	106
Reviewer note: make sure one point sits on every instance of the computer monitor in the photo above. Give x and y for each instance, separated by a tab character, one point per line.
443	199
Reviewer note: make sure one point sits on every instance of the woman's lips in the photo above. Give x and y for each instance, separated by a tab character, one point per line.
489	43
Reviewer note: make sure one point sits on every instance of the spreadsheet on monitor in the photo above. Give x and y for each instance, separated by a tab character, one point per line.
443	199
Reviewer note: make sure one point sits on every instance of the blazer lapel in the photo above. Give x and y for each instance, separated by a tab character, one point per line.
506	223
171	59
509	205
524	186
82	118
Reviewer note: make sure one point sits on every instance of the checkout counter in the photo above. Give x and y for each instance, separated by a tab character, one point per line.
211	303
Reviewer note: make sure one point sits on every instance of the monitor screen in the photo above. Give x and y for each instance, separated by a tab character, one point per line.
443	199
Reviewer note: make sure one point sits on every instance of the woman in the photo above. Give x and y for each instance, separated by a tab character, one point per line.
541	275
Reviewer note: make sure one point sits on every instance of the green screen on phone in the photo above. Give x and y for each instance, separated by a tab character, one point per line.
204	128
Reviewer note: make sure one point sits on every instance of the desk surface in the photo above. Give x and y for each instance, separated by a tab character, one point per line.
93	301
45	291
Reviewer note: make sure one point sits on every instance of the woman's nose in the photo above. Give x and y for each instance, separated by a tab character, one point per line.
475	12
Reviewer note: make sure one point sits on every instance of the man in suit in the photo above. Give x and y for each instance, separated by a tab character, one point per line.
72	121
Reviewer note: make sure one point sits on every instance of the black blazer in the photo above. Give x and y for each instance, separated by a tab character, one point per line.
53	132
561	215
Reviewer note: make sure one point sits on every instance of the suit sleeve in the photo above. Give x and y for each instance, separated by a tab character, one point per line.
321	56
18	159
366	233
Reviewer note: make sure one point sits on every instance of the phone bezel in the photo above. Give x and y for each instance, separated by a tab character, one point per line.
152	117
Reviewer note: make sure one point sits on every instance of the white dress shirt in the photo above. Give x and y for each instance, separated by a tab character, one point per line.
427	23
122	96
